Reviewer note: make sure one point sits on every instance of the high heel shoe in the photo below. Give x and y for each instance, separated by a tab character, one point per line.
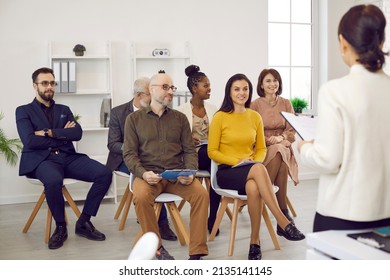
286	213
290	232
254	252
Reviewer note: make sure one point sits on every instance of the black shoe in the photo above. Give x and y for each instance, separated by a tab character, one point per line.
196	257
88	231
286	213
254	252
290	232
162	254
59	236
166	233
210	225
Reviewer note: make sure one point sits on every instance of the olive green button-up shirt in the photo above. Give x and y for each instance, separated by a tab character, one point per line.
153	143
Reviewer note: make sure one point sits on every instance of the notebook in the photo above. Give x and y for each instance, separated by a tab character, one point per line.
304	125
174	173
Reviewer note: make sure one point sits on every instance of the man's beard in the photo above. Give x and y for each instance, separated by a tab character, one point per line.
46	97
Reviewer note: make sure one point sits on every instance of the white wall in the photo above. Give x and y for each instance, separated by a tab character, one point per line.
226	37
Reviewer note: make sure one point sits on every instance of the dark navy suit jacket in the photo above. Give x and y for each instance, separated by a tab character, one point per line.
30	118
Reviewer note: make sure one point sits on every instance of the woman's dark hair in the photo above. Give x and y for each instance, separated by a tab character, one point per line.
43	70
363	26
194	76
265	72
227	103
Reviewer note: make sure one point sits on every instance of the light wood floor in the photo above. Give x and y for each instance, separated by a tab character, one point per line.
14	245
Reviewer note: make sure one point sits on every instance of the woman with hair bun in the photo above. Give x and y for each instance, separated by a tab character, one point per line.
199	114
350	149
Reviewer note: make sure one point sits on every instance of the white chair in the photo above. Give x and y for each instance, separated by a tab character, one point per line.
204	175
125	202
232	197
170	201
201	175
65	192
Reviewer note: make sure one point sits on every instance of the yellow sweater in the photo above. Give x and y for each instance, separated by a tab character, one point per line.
235	136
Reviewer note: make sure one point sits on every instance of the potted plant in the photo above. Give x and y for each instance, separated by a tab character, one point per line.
77	117
298	104
8	146
79	50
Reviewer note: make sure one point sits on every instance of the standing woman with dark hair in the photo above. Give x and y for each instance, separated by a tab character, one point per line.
351	149
236	135
199	114
279	135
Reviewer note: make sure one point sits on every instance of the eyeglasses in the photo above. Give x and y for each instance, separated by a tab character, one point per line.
145	93
166	87
47	83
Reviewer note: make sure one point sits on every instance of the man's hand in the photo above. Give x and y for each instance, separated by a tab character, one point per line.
185	180
196	141
70	124
151	178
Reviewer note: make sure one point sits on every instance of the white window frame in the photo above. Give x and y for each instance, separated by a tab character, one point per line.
314	53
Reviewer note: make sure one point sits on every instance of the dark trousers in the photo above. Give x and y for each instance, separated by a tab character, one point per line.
163	219
322	223
56	167
204	163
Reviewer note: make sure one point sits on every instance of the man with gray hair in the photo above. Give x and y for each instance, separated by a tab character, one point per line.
115	140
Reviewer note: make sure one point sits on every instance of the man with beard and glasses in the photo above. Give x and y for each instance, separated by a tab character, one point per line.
115	141
47	130
159	138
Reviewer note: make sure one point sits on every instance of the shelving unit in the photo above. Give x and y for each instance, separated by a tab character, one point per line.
93	77
174	64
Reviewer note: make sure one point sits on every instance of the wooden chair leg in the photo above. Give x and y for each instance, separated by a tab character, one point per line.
290	206
270	227
181	204
34	212
222	209
157	210
48	225
122	203
229	213
233	226
71	202
177	220
129	200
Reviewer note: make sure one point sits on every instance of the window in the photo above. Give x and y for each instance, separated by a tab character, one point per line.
290	45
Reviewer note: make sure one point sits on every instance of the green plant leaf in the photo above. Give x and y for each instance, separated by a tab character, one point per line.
8	146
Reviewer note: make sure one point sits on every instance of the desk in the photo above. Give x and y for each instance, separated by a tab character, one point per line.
335	244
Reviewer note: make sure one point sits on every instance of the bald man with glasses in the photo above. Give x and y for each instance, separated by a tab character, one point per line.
159	138
116	132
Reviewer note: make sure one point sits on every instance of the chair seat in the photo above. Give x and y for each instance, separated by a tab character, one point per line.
67	181
234	193
167	197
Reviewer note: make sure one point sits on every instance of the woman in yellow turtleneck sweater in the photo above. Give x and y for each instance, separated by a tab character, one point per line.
236	135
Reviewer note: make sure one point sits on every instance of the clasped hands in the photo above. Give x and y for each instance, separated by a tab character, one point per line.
276	139
153	178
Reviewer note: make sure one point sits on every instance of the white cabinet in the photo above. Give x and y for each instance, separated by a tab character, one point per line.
91	75
174	59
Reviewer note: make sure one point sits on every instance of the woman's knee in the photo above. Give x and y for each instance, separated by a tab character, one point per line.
251	189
